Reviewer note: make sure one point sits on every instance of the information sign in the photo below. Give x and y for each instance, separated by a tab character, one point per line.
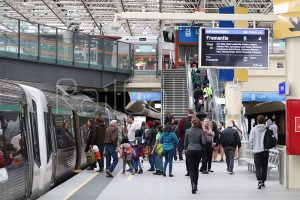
229	48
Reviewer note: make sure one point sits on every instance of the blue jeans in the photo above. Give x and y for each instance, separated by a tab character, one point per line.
136	159
159	162
152	160
168	159
110	150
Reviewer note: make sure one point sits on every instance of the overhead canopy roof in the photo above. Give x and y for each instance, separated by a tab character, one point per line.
95	16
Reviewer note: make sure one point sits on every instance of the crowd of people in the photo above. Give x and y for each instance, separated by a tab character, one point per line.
202	90
193	139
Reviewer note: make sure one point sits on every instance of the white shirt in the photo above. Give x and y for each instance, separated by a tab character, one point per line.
131	130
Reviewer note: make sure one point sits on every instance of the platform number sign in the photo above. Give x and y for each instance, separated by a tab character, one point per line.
297	124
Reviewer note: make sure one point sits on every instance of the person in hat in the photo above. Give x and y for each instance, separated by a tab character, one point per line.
111	141
169	140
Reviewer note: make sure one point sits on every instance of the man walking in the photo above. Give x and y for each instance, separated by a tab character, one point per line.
229	140
261	155
98	135
111	140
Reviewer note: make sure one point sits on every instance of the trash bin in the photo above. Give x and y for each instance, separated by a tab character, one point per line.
242	154
281	166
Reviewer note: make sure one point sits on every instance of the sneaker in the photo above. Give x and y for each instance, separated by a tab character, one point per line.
231	173
205	172
171	175
128	170
211	170
259	185
109	174
263	184
187	174
90	168
100	170
140	171
164	174
221	160
151	170
157	173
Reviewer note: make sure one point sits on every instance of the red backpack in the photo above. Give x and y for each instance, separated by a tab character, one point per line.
2	160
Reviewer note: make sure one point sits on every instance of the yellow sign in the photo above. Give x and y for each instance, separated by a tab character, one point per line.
241	74
288	25
286	6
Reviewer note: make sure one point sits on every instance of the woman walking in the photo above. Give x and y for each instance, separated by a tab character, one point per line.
169	140
193	147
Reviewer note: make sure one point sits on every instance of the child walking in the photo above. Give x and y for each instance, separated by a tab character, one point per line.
127	153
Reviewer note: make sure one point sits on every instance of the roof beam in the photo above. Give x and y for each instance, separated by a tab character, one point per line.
197	16
127	22
16	8
239	2
88	10
57	14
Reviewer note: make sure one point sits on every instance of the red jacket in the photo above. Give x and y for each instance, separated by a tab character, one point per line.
180	128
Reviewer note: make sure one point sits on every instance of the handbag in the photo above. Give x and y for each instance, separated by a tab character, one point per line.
147	150
3	175
159	149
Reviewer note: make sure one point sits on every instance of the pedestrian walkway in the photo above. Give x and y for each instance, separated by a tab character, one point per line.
218	185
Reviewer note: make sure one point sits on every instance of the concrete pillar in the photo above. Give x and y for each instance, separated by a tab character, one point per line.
292	60
68	47
233	102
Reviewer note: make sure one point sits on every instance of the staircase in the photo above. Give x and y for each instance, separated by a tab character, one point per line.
175	94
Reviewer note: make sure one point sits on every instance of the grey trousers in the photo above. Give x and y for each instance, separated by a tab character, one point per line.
229	153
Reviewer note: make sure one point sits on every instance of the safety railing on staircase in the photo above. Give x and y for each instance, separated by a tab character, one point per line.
189	83
213	81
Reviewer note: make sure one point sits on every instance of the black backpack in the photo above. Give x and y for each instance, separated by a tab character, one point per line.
187	124
269	139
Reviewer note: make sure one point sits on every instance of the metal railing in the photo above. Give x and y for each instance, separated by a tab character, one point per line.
213	81
39	43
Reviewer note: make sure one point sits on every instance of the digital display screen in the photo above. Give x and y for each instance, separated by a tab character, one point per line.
229	48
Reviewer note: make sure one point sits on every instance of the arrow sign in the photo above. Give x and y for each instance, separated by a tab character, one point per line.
295	24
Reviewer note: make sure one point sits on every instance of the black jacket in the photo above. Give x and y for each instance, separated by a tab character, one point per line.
230	138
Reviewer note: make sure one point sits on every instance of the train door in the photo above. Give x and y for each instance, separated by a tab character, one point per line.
41	146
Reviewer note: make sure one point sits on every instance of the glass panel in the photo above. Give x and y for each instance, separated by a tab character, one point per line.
81	50
35	134
48	135
9	37
65	47
63	130
28	41
123	55
278	46
145	57
96	54
12	143
110	54
47	44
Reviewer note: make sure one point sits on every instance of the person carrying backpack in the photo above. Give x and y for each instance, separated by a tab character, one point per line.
261	154
184	124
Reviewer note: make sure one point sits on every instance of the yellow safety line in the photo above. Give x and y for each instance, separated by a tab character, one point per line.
80	186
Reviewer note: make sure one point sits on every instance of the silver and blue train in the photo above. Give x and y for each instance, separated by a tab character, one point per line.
42	138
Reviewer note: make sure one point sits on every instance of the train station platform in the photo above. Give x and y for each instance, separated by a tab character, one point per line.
219	184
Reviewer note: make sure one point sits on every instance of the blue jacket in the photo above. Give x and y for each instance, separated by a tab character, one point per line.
168	140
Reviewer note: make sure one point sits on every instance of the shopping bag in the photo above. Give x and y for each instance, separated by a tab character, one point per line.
3	175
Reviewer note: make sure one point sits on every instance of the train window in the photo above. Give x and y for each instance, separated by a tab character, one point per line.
48	135
35	135
12	141
83	123
63	131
